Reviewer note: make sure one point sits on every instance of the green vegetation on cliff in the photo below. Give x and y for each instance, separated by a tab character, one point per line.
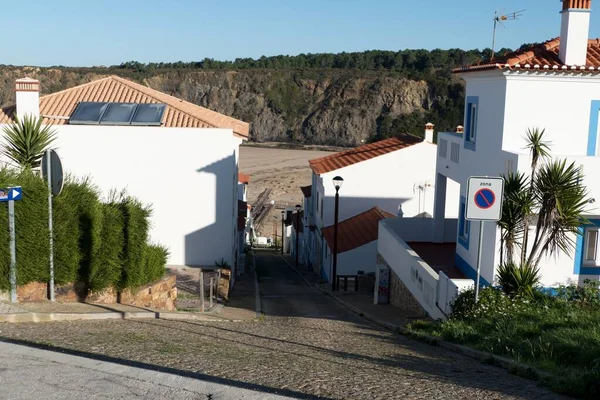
333	99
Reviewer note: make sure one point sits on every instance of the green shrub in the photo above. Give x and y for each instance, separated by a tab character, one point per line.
135	217
31	227
588	294
105	270
156	260
518	279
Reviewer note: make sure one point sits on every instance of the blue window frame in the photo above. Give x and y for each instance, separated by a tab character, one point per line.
472	113
464	226
587	254
592	149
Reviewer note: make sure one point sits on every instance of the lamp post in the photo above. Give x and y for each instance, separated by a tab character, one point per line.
282	232
298	207
338	181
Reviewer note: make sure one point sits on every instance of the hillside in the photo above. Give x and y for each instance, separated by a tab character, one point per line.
339	100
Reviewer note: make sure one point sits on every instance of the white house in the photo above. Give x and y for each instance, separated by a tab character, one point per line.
554	86
180	158
397	175
356	244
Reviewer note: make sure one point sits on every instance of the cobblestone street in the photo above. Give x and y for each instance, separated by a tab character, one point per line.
306	344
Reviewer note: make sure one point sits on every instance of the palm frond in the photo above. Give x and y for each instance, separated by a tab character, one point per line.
27	140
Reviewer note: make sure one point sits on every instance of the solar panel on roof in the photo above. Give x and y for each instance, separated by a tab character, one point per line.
88	113
148	114
118	114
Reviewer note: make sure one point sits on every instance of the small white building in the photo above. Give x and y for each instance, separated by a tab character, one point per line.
397	175
356	244
180	158
554	86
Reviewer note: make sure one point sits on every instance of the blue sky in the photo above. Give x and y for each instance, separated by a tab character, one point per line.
108	32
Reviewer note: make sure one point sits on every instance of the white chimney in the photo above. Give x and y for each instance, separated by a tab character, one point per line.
28	97
574	32
429	132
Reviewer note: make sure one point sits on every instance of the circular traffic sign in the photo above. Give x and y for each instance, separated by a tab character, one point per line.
485	198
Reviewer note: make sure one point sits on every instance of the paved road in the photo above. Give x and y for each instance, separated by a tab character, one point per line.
27	373
307	346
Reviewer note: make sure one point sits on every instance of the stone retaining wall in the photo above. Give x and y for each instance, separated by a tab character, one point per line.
161	295
401	297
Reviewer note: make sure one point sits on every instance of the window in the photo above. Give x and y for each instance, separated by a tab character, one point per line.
471	123
591	246
464	226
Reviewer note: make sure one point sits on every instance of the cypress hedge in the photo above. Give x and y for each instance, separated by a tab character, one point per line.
100	244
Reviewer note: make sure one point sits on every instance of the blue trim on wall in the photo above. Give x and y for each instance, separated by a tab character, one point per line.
579	268
593	130
468	144
462	220
468	270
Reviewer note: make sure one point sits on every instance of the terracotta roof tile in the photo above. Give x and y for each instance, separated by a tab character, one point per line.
357	231
540	57
179	113
243	178
362	153
306	191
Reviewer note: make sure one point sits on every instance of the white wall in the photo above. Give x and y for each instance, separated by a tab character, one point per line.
363	258
188	176
420	279
387	181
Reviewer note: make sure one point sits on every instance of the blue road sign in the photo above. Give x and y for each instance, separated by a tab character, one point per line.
13	193
485	198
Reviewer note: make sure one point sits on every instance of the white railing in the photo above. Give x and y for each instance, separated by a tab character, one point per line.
435	293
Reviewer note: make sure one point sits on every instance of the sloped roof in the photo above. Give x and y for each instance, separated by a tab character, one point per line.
357	231
306	191
362	153
543	57
178	113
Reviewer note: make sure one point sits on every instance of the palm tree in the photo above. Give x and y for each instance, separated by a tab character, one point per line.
553	195
27	140
539	149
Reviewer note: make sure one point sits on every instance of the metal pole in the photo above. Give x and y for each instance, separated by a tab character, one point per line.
479	251
297	235
13	251
282	235
201	287
335	240
50	225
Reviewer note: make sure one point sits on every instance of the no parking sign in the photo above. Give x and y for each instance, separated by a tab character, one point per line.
484	198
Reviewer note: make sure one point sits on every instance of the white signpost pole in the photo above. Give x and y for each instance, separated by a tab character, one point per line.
484	204
13	251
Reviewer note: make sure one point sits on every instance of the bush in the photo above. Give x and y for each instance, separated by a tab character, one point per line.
101	245
588	294
518	279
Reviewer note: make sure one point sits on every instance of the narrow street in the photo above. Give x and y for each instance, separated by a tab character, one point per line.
306	346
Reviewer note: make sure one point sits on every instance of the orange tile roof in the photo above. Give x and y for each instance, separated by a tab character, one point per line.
357	231
178	113
306	191
362	153
542	57
243	178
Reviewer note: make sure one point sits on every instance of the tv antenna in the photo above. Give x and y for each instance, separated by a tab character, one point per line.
499	18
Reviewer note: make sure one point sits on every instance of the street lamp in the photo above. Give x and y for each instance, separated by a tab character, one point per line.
298	208
282	230
338	181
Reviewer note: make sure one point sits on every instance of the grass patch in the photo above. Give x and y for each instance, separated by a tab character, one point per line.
559	334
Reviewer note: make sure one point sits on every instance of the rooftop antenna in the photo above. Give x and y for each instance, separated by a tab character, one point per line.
499	18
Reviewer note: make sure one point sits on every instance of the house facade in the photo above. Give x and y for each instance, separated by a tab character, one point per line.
177	157
397	175
553	86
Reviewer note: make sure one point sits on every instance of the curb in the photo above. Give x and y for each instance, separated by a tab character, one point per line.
489	358
256	288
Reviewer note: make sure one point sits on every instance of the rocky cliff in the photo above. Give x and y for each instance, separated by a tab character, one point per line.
312	106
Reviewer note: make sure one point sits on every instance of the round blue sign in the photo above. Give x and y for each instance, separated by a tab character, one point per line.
485	199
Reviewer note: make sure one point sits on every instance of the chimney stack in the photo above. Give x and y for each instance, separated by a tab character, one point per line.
28	97
460	129
429	132
574	32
